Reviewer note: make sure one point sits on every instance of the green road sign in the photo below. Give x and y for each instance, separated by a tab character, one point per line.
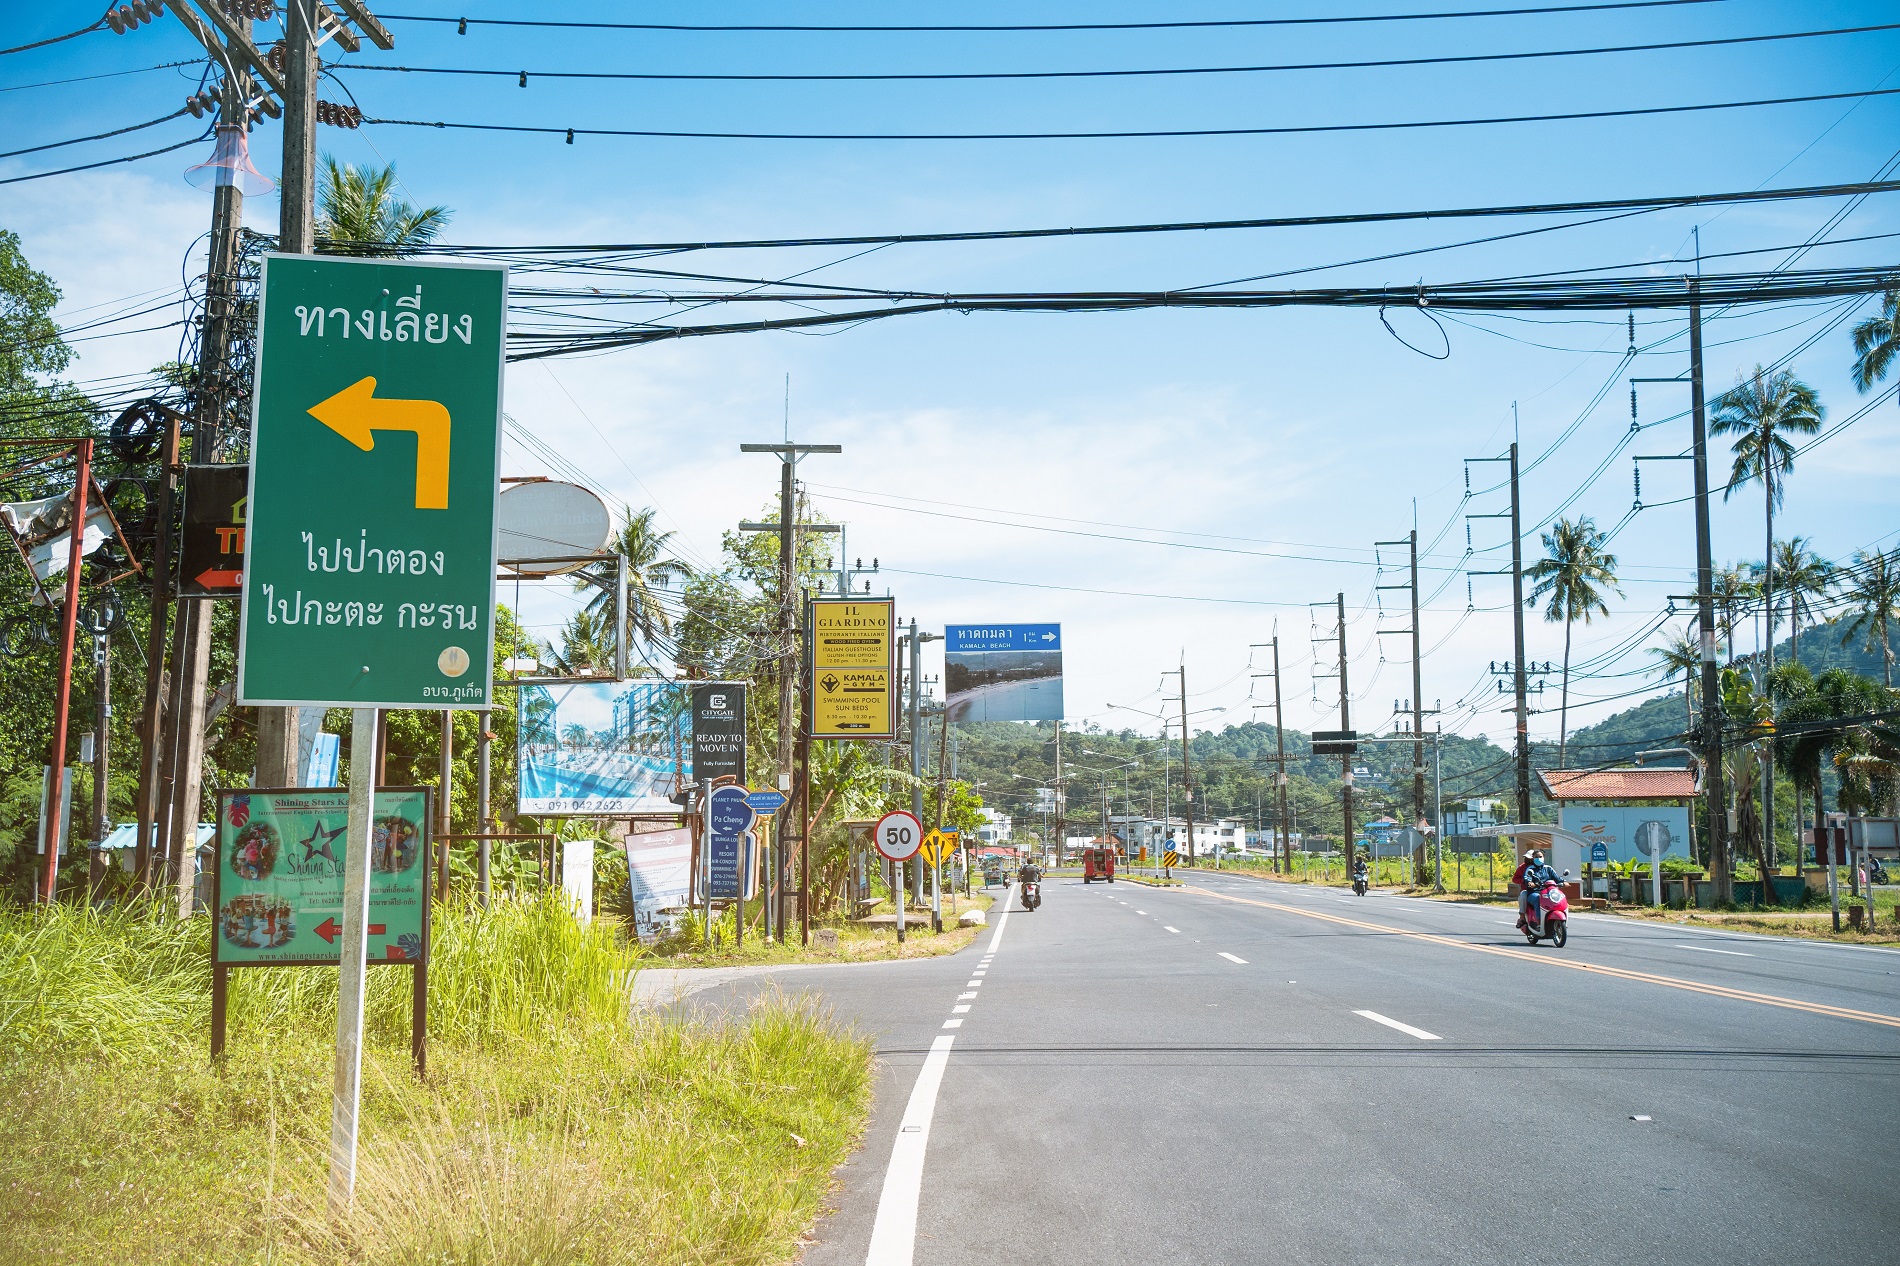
369	576
278	894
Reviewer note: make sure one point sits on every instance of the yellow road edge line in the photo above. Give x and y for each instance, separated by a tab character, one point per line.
1671	982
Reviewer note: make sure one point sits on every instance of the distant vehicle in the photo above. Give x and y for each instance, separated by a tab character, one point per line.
1098	862
992	874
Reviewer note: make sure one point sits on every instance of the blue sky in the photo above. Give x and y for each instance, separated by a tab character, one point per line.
1286	440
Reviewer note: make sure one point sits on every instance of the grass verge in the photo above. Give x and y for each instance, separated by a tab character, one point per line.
857	942
552	1129
1807	924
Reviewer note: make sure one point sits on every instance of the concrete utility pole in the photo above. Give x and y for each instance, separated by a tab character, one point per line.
1418	702
1062	802
1187	768
101	742
1345	723
1520	681
1714	781
1279	746
62	706
787	527
152	720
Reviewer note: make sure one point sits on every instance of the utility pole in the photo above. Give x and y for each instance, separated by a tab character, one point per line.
1284	834
1345	723
1720	870
101	740
1062	800
152	719
787	527
62	708
1519	680
1418	698
1187	768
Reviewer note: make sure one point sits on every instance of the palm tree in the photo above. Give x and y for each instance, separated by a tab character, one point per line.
358	213
649	569
1807	579
1574	565
1680	654
1874	597
587	648
1805	740
1877	342
1731	593
1761	411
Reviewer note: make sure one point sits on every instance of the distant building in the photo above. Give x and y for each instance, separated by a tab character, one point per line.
1224	835
996	828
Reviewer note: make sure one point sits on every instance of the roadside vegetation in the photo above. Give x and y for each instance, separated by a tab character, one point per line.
552	1128
834	940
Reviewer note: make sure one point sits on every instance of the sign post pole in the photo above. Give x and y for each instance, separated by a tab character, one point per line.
346	1093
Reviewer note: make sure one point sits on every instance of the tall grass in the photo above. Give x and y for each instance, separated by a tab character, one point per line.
553	1128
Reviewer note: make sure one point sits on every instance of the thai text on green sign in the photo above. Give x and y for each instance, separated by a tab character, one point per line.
369	575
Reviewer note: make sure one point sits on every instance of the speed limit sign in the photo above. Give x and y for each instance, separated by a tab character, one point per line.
898	836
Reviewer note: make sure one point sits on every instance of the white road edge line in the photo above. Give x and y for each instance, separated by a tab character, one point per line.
1233	958
894	1234
1390	1023
1709	949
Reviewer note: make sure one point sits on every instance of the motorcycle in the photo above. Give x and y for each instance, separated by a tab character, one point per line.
1032	894
1553	916
1358	883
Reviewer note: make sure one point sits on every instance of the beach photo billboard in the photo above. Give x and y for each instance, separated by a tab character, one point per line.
611	748
1003	672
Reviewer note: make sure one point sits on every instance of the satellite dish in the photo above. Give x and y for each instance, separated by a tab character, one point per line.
548	520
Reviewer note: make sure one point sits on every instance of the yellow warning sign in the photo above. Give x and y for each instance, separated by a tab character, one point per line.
851	679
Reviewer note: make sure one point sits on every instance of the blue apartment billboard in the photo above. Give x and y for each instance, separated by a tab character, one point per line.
1003	672
603	747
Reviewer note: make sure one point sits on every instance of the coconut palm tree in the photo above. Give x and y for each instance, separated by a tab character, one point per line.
1806	739
1877	342
1574	566
1807	579
1731	593
1760	411
649	570
1873	597
358	213
587	648
1680	654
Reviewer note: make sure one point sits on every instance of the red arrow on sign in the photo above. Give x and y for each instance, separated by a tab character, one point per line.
213	578
329	930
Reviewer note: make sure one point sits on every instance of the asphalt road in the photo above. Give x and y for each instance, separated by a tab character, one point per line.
1247	1072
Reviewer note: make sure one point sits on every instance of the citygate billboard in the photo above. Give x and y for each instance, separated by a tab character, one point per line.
611	748
1003	672
1632	832
719	730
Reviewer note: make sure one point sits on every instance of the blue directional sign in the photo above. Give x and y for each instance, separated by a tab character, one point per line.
1599	853
961	639
728	818
766	801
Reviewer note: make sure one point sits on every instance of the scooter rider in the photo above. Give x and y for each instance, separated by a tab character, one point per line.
1029	873
1530	879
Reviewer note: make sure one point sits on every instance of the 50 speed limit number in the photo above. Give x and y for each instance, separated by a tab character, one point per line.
898	836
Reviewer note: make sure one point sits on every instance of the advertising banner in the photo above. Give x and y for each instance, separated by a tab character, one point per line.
718	730
1632	832
1003	672
659	877
728	820
211	547
610	748
850	681
277	891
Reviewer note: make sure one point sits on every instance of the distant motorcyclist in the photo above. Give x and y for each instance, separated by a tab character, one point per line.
1029	873
1360	874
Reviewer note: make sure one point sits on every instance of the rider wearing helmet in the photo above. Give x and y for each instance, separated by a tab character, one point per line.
1530	880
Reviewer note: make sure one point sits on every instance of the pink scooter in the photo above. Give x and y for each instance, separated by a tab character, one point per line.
1552	919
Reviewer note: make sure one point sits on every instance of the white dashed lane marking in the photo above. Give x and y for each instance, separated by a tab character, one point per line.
1390	1023
1176	931
1708	949
1233	958
960	1008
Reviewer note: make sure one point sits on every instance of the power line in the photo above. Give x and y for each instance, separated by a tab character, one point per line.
108	162
97	23
110	74
523	76
1136	134
97	136
463	24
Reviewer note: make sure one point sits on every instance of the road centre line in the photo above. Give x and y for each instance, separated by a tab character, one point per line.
894	1233
1709	949
1232	958
1390	1023
1670	982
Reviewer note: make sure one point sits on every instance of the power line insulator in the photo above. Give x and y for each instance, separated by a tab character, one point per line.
128	17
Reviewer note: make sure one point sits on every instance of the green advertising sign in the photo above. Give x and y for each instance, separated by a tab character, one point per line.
278	894
369	576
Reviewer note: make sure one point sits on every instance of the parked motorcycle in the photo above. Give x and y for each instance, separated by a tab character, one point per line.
1032	894
1553	916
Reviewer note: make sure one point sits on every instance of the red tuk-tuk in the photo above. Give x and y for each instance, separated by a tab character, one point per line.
1098	862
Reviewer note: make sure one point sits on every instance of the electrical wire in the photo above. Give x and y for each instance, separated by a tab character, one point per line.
1137	134
108	162
110	74
523	76
97	136
98	24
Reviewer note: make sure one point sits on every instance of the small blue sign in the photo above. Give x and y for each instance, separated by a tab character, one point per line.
766	801
968	638
728	818
1599	853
